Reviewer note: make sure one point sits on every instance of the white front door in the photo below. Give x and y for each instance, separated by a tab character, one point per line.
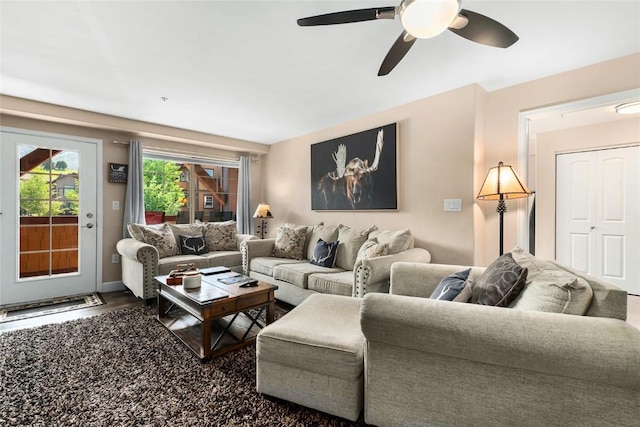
598	214
48	220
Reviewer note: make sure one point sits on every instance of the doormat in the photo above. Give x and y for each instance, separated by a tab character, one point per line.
52	306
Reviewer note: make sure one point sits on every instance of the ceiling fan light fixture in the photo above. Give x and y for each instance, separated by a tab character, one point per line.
424	19
628	108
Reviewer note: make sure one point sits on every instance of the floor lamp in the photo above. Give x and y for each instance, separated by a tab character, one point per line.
263	212
502	183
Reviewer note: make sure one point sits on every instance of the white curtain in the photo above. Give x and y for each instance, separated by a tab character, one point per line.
243	213
134	199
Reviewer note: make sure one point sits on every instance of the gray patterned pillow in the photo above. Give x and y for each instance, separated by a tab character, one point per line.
371	249
220	236
162	238
290	242
500	283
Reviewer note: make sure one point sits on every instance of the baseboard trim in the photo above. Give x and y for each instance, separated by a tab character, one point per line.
112	287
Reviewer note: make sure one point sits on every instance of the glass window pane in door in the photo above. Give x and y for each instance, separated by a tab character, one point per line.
48	211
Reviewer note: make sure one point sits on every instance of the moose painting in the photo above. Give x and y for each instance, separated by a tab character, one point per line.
356	172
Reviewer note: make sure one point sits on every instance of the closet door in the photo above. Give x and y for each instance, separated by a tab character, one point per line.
598	214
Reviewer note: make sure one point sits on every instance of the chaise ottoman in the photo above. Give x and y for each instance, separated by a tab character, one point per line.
313	356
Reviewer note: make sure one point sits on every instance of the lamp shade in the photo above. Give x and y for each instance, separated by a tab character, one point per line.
263	211
503	181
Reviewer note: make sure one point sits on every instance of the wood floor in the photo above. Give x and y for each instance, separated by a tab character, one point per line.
124	299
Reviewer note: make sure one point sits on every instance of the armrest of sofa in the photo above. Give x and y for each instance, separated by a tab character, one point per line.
255	248
589	348
243	238
139	266
420	279
378	269
138	251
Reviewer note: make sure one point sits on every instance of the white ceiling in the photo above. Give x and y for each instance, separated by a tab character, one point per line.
245	70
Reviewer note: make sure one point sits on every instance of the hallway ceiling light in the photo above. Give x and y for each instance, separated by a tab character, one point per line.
628	108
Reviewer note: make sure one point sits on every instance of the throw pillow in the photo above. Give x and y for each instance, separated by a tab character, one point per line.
220	236
550	288
308	243
371	249
289	242
351	239
135	230
328	233
161	237
324	253
399	241
186	230
192	245
500	283
451	286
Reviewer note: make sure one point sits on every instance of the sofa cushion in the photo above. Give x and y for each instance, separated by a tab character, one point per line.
399	241
351	239
265	265
223	258
549	288
500	283
298	274
220	236
192	245
371	249
332	283
324	253
328	233
161	237
451	286
290	242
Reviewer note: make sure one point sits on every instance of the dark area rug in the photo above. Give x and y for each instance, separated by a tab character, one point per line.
124	368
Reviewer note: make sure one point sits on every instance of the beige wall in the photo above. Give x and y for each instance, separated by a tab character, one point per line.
503	107
548	145
111	221
437	149
448	142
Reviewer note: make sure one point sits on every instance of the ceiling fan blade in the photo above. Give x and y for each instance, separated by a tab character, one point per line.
348	16
484	30
396	53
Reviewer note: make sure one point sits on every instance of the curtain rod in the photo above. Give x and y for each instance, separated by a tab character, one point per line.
115	141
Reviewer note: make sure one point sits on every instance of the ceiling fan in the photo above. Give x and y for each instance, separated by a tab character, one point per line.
423	19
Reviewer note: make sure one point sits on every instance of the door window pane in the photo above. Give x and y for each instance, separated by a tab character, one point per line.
48	207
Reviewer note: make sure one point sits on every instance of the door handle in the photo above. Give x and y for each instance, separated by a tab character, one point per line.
90	225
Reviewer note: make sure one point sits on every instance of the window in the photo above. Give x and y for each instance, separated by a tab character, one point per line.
211	196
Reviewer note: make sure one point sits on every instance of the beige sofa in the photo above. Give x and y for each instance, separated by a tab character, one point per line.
441	363
142	261
354	273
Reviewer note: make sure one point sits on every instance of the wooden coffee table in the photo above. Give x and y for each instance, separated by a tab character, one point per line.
214	319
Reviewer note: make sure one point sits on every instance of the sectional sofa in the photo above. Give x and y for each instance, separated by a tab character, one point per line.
362	264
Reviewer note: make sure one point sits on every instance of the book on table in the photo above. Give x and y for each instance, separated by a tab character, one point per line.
205	293
240	279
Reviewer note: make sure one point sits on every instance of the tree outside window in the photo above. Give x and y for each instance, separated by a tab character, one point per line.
162	191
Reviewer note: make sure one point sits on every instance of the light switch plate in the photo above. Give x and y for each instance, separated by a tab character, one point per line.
452	205
115	205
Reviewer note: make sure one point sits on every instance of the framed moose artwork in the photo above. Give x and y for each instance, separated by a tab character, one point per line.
356	172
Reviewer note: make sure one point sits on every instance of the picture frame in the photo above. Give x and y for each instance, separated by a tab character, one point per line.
356	172
118	173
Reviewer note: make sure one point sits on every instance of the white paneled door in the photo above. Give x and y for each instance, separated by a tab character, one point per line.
48	216
598	214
